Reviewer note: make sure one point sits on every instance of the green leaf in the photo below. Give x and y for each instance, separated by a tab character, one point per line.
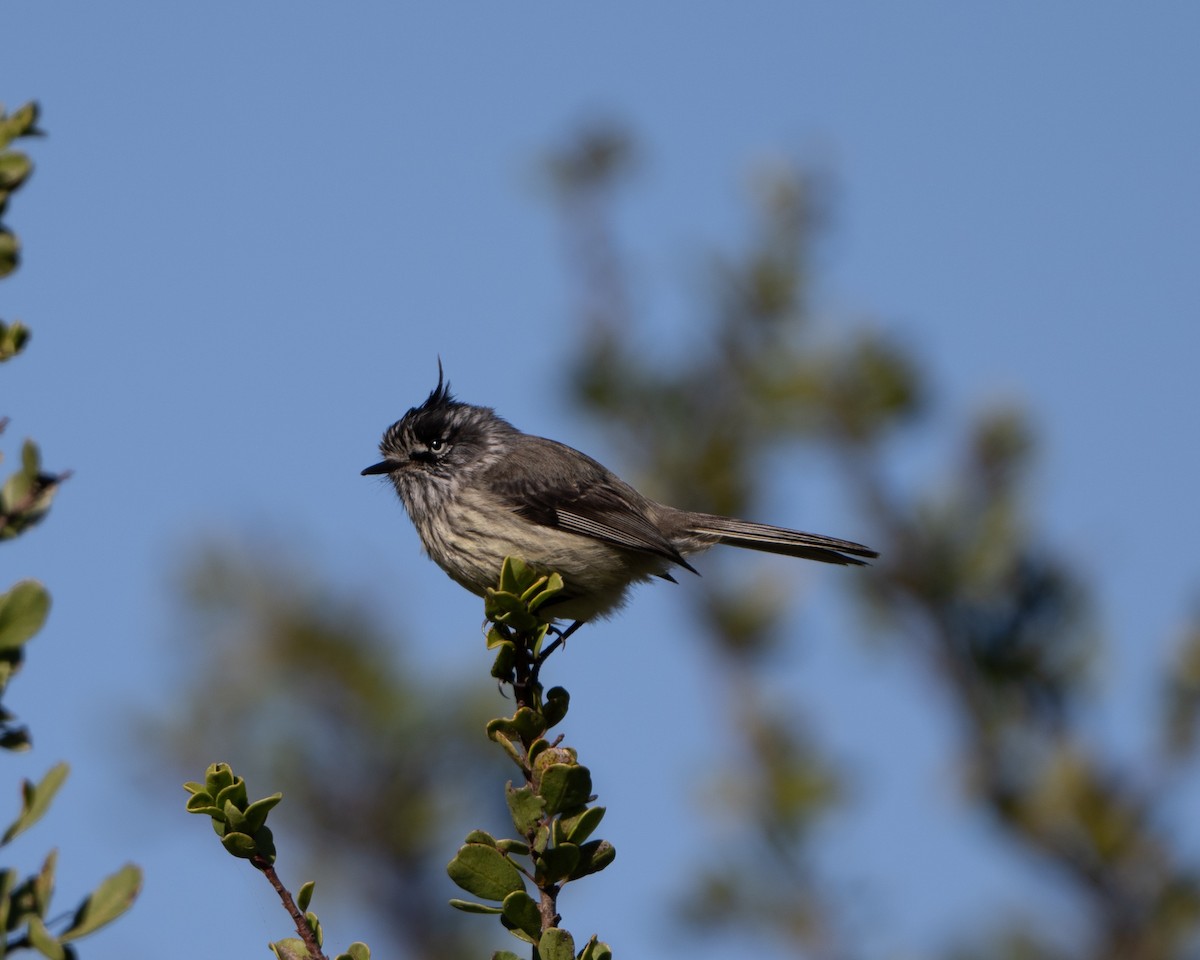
556	944
501	727
518	847
22	122
522	589
234	817
232	797
15	168
595	950
500	605
557	863
13	337
537	747
469	906
555	708
533	589
240	845
304	897
8	880
515	575
43	884
481	836
522	912
23	610
43	941
484	871
502	731
505	955
541	839
507	609
565	786
266	843
31	458
217	777
553	587
503	665
594	857
551	755
20	486
528	724
315	926
292	948
109	900
577	827
496	638
36	800
256	813
202	803
10	252
356	951
526	807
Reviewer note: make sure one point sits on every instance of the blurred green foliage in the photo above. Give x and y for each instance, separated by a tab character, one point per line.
241	825
307	688
1001	622
27	922
15	168
302	685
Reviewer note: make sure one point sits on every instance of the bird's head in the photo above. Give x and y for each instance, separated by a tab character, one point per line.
438	440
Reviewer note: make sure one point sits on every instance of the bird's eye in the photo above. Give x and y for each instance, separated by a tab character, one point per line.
437	445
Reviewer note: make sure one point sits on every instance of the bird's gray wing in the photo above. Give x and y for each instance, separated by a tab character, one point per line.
551	484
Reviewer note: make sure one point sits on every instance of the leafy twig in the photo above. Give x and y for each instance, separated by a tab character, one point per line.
303	927
242	827
550	810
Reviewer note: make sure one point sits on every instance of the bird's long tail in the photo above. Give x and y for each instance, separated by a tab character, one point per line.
791	543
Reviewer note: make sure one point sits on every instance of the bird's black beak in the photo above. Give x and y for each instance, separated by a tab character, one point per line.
383	466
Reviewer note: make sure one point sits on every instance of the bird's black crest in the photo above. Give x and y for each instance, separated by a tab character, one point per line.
441	395
439	416
444	416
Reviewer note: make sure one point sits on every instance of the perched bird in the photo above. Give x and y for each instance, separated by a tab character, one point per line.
478	490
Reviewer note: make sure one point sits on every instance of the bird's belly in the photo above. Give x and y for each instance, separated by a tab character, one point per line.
470	541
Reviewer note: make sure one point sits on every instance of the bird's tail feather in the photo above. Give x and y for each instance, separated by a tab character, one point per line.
792	543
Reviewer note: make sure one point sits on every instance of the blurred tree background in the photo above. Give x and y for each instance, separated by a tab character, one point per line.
294	679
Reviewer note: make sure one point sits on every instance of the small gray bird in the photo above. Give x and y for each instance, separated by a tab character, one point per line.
478	490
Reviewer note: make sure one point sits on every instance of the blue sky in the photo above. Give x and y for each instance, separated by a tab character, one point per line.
254	226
